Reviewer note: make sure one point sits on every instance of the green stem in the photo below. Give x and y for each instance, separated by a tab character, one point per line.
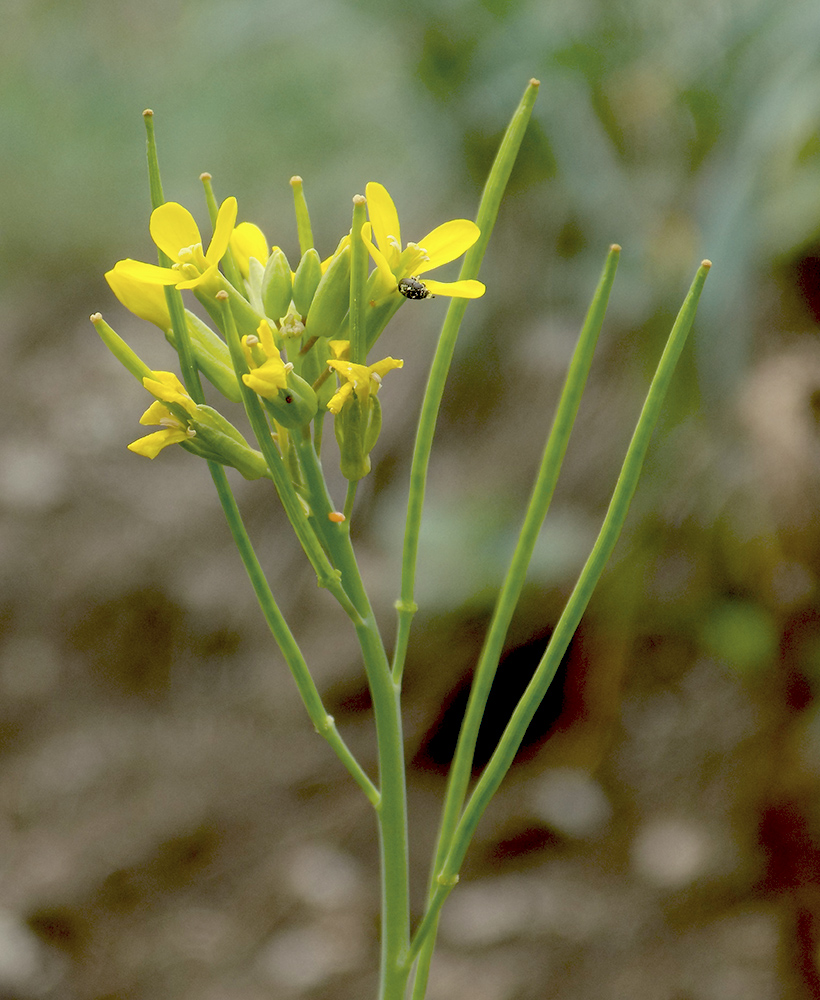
487	213
510	741
350	499
392	807
543	490
319	716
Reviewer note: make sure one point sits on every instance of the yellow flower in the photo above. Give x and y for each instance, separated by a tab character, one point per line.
287	396
361	379
444	244
248	240
146	301
175	232
199	428
268	372
168	389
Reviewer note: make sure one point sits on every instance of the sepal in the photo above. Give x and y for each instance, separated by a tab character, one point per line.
277	285
219	441
306	281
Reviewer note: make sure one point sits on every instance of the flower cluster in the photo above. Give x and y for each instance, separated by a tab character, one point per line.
277	335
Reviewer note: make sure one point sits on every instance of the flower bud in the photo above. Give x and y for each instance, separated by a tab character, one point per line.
332	299
277	285
286	396
306	280
218	440
295	406
357	428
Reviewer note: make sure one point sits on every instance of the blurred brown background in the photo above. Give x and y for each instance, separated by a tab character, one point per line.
170	825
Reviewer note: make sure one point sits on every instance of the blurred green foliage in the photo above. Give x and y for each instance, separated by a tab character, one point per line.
678	130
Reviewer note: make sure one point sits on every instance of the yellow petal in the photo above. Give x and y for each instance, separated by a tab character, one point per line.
355	374
225	221
173	229
381	368
201	280
268	378
248	240
340	349
468	288
337	402
143	300
149	274
385	220
388	279
265	335
448	242
168	379
157	414
152	444
167	387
